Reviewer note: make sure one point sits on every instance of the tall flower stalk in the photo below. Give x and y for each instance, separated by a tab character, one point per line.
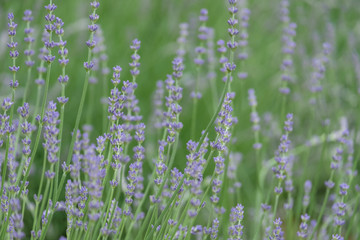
88	65
223	129
29	52
199	62
282	159
9	157
48	58
63	80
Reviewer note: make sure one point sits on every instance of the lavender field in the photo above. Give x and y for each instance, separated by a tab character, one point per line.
158	119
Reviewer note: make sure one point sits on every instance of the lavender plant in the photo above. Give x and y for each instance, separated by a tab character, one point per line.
92	158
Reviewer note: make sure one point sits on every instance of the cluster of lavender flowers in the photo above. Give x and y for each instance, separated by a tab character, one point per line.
130	178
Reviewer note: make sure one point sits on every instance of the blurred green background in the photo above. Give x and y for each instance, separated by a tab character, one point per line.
155	23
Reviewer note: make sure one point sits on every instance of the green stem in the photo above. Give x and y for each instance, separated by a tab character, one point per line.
42	206
276	205
21	119
317	224
138	209
56	197
174	195
213	92
259	226
39	191
82	100
10	121
182	219
205	133
89	231
78	116
37	141
37	105
108	202
91	103
61	127
203	200
289	218
352	220
195	103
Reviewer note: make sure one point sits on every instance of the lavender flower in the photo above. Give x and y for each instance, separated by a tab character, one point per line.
349	166
336	237
289	32
135	57
95	172
160	165
339	207
202	36
244	15
196	229
318	72
69	206
6	104
42	69
134	177
223	59
234	160
50	28
91	43
194	174
224	123
117	142
303	231
13	52
140	138
182	39
51	132
63	52
172	122
307	190
12	165
175	176
232	22
199	60
128	91
102	176
96	58
16	220
116	99
132	180
343	189
281	156
277	233
337	160
29	52
236	216
255	119
214	229
26	129
289	188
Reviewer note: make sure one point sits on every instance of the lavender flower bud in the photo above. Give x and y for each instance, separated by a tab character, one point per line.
343	189
135	57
